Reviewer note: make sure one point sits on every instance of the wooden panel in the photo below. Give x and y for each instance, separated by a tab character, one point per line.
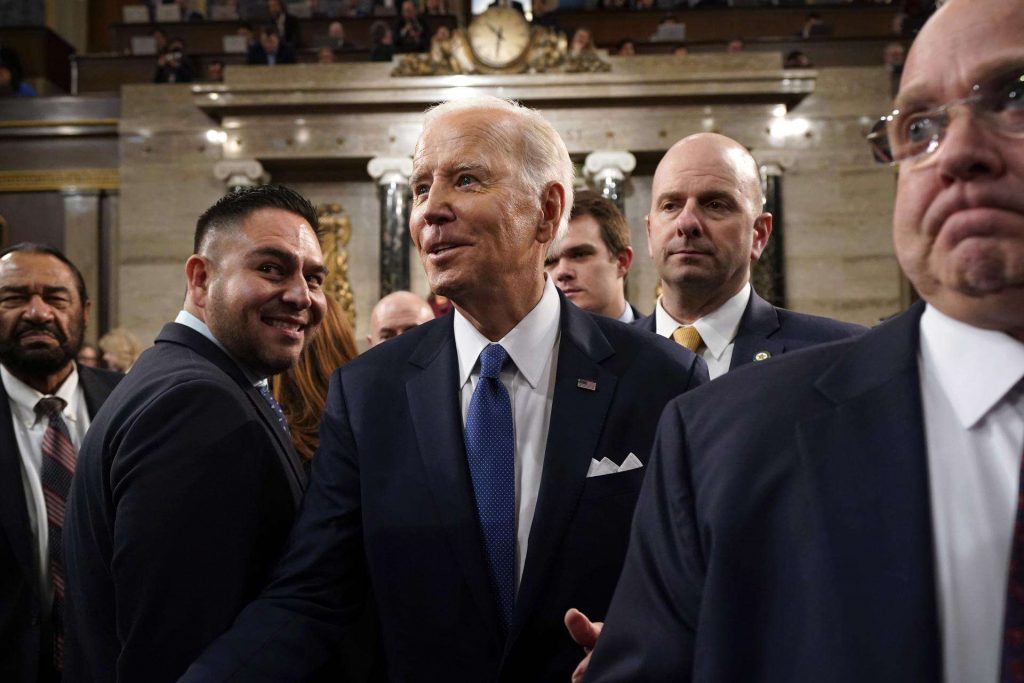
44	55
107	73
207	36
724	24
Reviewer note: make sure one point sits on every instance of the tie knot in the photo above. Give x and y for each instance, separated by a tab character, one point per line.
50	406
492	358
687	336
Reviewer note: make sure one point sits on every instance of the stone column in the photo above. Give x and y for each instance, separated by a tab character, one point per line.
606	172
392	176
238	173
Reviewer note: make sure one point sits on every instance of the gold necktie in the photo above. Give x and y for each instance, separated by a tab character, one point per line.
688	337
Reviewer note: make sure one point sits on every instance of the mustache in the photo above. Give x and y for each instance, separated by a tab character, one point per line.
27	327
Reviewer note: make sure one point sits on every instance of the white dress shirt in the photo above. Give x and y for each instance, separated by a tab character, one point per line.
717	330
973	401
28	431
627	315
532	345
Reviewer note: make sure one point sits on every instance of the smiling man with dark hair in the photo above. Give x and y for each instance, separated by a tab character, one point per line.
187	482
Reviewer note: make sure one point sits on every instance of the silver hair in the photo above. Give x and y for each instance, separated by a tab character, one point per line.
542	156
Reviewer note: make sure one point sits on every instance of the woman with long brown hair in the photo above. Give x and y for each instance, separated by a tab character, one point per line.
302	390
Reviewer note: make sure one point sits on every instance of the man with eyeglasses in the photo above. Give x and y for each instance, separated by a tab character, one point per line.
862	522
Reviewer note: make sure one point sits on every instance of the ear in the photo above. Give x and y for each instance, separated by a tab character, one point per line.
552	206
197	279
86	310
647	227
762	231
623	261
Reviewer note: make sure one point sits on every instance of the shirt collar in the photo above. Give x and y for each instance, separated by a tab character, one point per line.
25	397
974	367
525	343
717	329
627	315
190	321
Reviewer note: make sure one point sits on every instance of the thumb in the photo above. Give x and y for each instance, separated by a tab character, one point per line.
582	630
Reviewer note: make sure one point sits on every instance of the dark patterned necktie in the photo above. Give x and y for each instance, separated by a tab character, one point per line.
264	390
58	468
491	452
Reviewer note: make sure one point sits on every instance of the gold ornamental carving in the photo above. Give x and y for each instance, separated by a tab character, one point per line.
335	232
56	179
499	41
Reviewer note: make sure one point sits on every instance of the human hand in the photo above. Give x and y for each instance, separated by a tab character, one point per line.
585	633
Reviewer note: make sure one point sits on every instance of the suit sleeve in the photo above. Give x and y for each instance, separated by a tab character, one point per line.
650	630
184	477
320	585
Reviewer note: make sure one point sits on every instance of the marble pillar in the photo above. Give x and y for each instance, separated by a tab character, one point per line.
392	176
606	173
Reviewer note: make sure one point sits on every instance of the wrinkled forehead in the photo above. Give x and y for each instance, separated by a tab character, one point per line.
963	44
22	268
471	136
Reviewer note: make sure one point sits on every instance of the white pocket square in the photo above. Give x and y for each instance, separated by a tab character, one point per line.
599	468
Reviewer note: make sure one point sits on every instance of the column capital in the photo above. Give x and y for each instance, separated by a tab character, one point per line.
240	172
614	164
388	170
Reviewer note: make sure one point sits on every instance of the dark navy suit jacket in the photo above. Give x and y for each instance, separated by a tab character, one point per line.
791	545
390	505
21	639
767	328
185	490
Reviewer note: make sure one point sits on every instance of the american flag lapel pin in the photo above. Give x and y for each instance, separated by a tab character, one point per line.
586	384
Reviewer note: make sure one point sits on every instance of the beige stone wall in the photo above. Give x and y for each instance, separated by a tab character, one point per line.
317	127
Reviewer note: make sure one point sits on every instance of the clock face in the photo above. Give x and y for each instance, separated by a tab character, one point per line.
499	36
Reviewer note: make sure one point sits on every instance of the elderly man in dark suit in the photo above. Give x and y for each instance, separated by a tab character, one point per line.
480	470
853	512
187	482
705	230
46	404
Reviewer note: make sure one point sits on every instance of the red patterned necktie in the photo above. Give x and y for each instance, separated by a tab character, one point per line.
58	467
1013	621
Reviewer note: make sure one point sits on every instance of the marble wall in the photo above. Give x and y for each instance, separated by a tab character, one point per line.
316	127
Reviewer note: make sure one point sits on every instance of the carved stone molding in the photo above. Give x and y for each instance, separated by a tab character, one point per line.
235	173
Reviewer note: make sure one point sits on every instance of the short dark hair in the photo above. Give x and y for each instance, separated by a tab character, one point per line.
614	229
234	207
270	30
47	250
378	30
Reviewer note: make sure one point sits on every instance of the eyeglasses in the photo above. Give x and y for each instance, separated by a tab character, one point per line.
904	136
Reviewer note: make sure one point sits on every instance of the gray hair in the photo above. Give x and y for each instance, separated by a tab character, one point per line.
542	157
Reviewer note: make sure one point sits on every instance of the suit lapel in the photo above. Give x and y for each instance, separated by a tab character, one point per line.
759	322
868	466
13	508
290	461
649	323
573	435
433	396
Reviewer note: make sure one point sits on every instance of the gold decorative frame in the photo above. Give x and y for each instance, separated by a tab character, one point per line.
56	179
335	232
